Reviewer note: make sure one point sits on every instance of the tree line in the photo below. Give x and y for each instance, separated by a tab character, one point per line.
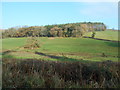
58	30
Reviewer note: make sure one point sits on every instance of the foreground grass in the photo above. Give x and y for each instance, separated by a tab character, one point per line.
32	73
71	48
108	34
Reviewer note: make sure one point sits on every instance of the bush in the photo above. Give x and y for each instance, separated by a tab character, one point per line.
93	34
32	43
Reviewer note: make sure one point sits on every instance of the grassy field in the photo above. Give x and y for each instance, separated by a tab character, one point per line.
108	34
65	49
71	62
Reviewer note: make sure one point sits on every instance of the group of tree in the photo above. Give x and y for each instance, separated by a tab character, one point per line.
59	30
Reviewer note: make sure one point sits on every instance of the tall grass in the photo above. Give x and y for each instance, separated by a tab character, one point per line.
56	74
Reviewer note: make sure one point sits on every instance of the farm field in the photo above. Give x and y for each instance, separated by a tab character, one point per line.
108	34
69	61
59	45
72	62
63	49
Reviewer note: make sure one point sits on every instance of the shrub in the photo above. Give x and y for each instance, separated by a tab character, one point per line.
32	43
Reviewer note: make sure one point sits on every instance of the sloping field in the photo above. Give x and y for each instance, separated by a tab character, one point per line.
108	34
63	49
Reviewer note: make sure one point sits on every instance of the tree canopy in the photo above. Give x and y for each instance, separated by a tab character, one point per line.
59	30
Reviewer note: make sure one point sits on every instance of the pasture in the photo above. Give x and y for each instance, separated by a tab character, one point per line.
72	62
63	49
108	34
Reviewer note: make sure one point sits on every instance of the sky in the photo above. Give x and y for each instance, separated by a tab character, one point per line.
47	13
59	0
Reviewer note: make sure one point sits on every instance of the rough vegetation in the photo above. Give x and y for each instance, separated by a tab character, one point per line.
32	43
59	30
19	73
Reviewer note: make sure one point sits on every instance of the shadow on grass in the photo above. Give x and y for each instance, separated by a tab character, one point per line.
6	54
113	44
60	58
100	39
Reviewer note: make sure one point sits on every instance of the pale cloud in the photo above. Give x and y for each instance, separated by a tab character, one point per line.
99	10
60	0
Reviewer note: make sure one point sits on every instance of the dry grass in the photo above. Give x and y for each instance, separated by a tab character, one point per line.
55	74
51	38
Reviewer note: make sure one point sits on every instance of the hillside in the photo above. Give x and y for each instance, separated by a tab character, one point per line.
108	34
65	49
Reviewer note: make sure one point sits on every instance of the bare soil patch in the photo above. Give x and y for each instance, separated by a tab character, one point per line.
51	38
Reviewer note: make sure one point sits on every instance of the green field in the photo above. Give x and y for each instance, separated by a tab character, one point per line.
63	49
108	34
55	61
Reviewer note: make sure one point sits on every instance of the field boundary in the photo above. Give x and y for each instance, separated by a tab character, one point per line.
101	39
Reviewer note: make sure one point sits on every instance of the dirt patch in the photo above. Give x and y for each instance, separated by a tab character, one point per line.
51	38
22	53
